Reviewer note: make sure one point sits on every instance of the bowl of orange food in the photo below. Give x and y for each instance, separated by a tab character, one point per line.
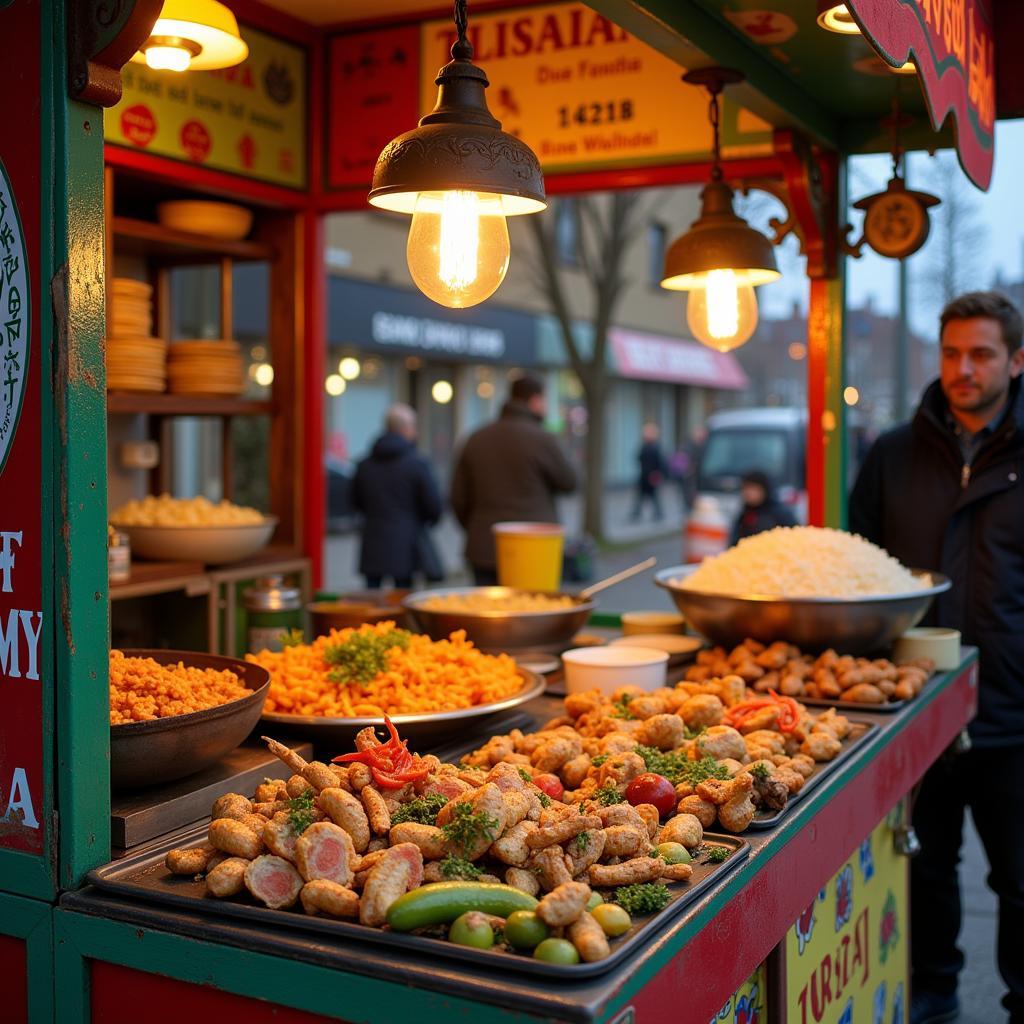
350	678
174	713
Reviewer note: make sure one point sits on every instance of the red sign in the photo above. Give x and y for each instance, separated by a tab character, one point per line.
195	140
138	125
22	675
651	357
954	48
374	87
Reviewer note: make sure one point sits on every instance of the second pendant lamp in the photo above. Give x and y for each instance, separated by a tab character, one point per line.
721	259
460	176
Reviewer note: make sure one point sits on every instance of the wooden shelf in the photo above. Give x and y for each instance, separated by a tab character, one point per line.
166	404
149	239
162	578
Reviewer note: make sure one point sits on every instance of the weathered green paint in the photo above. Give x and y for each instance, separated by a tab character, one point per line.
32	921
687	33
28	874
77	492
351	998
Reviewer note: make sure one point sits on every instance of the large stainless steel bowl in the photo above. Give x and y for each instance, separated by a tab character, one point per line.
856	625
164	749
500	630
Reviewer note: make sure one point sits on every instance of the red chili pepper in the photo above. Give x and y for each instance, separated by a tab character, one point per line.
390	763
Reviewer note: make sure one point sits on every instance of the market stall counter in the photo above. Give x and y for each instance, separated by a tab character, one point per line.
115	954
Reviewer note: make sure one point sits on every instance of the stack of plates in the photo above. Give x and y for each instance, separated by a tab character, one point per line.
136	361
206	368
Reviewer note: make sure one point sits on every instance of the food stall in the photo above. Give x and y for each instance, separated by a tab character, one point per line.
782	925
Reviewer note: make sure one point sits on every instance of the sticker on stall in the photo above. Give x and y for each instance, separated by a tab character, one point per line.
15	310
846	955
747	1005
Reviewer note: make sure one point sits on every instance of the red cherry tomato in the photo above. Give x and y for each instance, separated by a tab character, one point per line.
550	784
651	788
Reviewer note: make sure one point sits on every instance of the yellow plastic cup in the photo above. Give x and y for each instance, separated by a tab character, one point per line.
529	555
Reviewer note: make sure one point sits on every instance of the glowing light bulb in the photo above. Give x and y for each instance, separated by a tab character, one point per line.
263	374
442	392
168	58
837	18
335	385
722	314
349	367
458	248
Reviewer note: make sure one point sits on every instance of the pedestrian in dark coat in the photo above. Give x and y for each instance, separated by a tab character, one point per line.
761	510
946	492
653	470
395	490
508	471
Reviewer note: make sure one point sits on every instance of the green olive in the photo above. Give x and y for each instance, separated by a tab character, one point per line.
613	919
674	853
472	929
557	951
595	900
525	930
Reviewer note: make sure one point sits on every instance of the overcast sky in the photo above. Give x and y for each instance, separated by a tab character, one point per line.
998	244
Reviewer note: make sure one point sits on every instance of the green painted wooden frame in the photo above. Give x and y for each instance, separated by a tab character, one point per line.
308	987
32	921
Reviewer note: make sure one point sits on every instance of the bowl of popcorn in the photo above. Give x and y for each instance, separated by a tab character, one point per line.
193	529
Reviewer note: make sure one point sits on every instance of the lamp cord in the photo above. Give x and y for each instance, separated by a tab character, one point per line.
714	118
462	48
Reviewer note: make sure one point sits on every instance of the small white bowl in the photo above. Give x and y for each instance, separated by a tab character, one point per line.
935	642
638	623
608	668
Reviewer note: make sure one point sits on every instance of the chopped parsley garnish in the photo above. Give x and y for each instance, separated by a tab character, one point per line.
455	868
525	775
300	812
622	708
716	854
545	800
608	795
679	768
363	656
423	810
467	827
692	734
293	638
599	760
642	898
760	771
581	842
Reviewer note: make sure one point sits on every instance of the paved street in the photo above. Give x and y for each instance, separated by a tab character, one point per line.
981	987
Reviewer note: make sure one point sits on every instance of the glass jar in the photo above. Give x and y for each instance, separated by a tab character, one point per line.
273	610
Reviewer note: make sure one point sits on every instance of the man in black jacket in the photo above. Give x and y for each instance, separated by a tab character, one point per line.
395	489
946	492
508	471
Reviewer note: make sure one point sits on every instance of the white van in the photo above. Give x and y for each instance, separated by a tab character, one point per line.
772	440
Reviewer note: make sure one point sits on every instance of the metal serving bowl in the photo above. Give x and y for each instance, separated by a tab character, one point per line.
147	753
422	731
500	630
855	625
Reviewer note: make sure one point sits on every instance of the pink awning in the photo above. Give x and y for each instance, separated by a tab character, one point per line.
643	356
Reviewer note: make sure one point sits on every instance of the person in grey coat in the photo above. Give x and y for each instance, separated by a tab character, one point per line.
508	471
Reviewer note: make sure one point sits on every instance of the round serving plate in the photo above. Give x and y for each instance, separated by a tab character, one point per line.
164	749
422	731
854	625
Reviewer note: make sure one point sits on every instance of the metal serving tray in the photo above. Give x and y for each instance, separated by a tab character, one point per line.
144	877
890	707
861	729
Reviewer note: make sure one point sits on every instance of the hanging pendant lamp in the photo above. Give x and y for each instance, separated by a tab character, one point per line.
460	176
193	35
721	259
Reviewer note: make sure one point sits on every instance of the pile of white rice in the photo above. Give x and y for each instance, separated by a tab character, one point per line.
803	561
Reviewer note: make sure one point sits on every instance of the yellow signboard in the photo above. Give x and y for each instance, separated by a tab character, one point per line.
749	1003
249	120
582	92
846	957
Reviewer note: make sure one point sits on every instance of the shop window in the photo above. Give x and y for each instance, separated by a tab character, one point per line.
567	232
657	240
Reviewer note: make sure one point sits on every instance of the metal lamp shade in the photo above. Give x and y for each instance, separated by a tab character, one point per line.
719	240
458	146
